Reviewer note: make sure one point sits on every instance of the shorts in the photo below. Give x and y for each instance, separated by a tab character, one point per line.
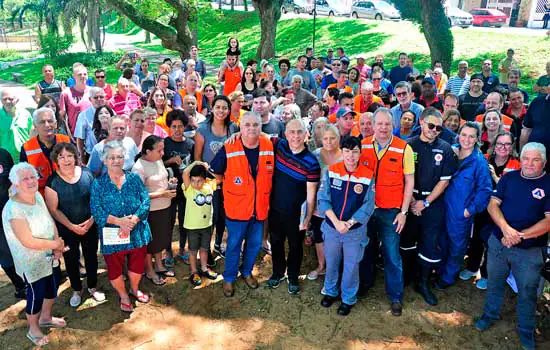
44	288
316	222
199	238
115	262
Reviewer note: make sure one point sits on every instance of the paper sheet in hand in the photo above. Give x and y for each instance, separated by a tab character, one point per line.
110	236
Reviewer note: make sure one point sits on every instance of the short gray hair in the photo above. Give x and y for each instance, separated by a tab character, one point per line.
534	146
111	146
298	120
297	77
38	113
19	167
252	114
383	110
295	110
95	90
403	84
149	110
319	121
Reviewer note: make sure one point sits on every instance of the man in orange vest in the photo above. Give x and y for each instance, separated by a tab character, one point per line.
365	98
246	168
494	100
190	88
37	150
392	162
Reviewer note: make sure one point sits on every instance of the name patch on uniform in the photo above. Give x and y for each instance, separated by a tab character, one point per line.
238	181
538	193
358	189
337	182
438	158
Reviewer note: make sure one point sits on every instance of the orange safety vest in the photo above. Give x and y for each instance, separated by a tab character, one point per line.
346	88
198	96
245	197
357	103
506	121
511	165
389	177
37	158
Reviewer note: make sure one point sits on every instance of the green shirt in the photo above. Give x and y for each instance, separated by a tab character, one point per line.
543	81
14	132
506	63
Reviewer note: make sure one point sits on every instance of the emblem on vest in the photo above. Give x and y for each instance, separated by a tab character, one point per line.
438	158
358	189
538	193
238	181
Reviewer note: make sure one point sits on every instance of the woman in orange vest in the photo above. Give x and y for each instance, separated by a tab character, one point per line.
502	160
491	126
37	150
159	102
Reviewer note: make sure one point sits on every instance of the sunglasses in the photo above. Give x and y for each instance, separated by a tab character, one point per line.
376	79
437	128
100	77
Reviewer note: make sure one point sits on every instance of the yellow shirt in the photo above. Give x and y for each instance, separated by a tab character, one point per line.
198	206
408	156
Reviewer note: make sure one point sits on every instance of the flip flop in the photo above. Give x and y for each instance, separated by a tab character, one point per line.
126	307
55	322
38	341
166	273
157	281
142	298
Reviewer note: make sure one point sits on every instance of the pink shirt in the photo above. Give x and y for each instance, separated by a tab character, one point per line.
73	102
126	106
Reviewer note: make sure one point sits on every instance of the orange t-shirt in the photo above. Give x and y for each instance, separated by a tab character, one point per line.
360	107
232	78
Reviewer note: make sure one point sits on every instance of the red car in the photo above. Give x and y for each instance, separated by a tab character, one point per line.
488	17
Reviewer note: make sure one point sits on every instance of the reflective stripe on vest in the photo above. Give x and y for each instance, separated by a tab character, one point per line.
38	159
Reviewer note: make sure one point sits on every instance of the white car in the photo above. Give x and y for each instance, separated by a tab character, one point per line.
459	18
374	9
322	7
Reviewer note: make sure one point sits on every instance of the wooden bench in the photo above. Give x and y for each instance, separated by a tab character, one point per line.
17	77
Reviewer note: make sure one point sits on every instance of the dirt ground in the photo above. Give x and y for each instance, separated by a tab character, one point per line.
182	317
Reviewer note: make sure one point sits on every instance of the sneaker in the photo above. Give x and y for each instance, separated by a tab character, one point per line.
169	262
184	258
211	262
274	282
98	296
466	274
293	287
220	251
481	283
195	279
396	308
76	299
313	275
323	291
211	275
483	323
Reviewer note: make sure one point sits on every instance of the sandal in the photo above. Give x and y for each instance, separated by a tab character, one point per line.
55	322
157	281
195	279
126	307
38	341
184	257
166	273
142	298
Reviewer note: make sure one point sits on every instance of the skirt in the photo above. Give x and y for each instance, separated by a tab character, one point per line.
161	230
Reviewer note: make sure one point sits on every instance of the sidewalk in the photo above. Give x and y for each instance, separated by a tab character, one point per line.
24	94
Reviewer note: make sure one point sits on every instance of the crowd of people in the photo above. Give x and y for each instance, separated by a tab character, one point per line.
394	169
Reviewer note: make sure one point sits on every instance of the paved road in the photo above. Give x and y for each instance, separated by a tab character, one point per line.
24	94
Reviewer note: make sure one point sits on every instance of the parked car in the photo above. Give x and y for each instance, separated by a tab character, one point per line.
374	9
292	6
459	18
488	17
324	8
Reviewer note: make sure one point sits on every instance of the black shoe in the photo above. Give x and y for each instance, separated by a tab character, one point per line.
362	291
274	281
423	289
440	285
211	262
220	251
396	308
344	309
21	293
328	301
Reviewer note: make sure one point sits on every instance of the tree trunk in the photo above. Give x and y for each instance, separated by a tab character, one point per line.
437	32
232	5
219	4
269	12
245	2
147	37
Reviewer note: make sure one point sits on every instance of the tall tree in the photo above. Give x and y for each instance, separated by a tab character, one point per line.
232	5
168	20
245	2
269	12
435	26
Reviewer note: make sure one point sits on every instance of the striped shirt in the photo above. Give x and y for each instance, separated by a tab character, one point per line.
292	173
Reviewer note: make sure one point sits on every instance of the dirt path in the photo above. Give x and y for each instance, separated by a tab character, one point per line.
180	317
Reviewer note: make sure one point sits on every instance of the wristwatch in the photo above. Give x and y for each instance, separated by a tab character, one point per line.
404	212
426	203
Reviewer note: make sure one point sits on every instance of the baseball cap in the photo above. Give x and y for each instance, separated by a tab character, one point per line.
478	76
345	61
428	80
342	111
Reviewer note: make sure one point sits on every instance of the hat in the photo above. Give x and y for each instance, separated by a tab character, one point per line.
345	61
342	111
478	76
438	70
428	80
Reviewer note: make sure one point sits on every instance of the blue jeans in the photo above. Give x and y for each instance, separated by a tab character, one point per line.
349	247
381	224
237	232
526	265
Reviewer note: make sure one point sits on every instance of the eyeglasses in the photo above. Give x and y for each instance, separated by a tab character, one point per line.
401	94
336	64
100	77
437	128
506	144
376	79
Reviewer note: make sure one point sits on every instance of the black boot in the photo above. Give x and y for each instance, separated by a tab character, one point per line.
423	286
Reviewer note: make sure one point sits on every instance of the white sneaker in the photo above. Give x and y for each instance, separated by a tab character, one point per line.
76	299
98	296
466	274
323	291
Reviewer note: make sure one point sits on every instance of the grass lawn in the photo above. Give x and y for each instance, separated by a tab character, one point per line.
364	37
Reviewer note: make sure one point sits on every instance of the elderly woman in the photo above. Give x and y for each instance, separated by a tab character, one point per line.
346	199
37	150
36	247
67	196
117	132
330	153
151	126
291	111
150	169
120	207
466	195
316	135
136	131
